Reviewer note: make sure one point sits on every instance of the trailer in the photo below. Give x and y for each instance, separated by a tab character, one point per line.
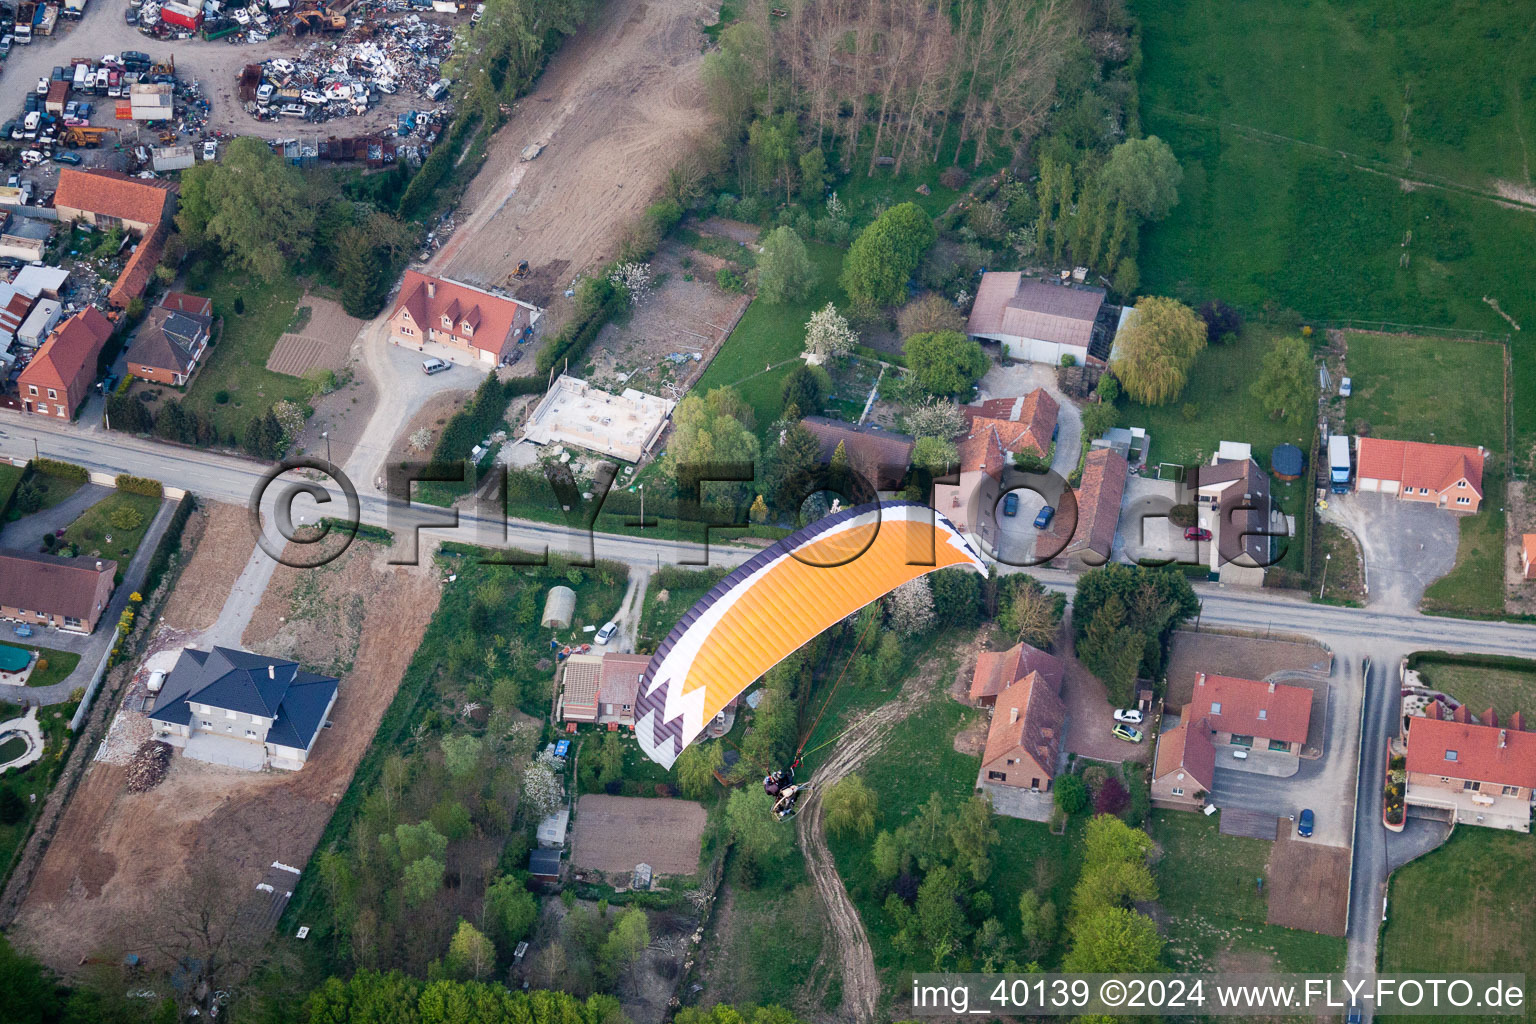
26	16
182	15
1338	463
48	17
74	9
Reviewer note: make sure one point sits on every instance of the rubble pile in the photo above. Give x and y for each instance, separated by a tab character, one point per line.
149	765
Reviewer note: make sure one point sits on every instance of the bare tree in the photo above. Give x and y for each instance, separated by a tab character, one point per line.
208	937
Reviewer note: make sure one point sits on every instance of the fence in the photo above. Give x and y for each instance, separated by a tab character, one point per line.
92	686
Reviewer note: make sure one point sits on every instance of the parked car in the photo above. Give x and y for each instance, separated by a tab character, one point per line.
282	67
1196	533
1131	715
1354	1016
435	365
211	149
64	156
606	633
135	57
1304	823
131	16
1011	503
264	93
29	157
14	181
42	87
1044	518
1127	733
58	73
295	110
1346	387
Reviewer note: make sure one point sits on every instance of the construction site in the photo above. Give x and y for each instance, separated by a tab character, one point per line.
623	426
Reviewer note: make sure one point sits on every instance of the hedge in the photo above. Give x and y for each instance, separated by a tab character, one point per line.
598	300
1422	658
481	416
359	531
894	358
63	470
160	562
140	485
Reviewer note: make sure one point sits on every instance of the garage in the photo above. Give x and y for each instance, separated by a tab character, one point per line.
1374	485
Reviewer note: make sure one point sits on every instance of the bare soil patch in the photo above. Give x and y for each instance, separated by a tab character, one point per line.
972	740
1308	885
1244	657
616	107
433	414
1519	593
323	342
120	859
614	833
219	554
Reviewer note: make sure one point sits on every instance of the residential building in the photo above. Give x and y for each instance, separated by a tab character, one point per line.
1089	539
108	199
1042	321
1024	740
1447	476
24	238
996	671
881	456
60	375
169	343
1184	770
461	317
138	271
996	430
1528	556
240	709
1472	770
1232	500
624	426
580	683
1249	713
618	682
63	593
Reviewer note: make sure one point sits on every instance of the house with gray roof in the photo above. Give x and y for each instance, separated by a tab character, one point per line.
171	341
241	709
1042	321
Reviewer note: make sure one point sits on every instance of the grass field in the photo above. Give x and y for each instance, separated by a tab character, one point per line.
1506	690
10	478
1476	585
1214	913
1297	127
237	363
1391	375
1461	908
773	336
60	665
94	532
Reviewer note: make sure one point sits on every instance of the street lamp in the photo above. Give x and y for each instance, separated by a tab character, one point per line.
1326	560
327	435
642	505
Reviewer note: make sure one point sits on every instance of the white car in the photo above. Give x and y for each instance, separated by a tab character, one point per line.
31	157
1131	715
1345	387
42	86
312	97
282	67
211	149
607	632
264	93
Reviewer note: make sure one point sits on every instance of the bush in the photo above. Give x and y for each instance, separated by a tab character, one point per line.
62	470
481	416
1182	516
1068	359
221	397
1071	795
140	485
729	280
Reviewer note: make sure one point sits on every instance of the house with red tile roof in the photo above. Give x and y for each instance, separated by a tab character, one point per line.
581	677
139	270
460	317
1184	770
108	199
1472	770
1249	713
1528	556
60	375
169	343
1088	539
1042	321
996	430
1447	476
1024	740
617	684
997	670
881	456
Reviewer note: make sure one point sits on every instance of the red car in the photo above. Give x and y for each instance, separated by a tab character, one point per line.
1195	533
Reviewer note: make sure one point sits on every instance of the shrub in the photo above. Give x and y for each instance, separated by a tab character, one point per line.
1071	795
62	470
126	517
729	281
140	485
1182	516
1068	359
952	177
221	397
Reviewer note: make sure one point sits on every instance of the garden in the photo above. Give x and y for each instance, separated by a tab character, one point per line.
112	528
52	666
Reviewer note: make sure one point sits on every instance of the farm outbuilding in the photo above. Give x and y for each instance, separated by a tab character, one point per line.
559	608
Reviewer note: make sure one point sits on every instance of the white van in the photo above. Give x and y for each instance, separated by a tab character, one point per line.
435	365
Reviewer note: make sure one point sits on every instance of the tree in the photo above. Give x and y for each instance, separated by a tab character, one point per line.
911	607
927	313
696	768
461	754
541	785
1156	350
510	911
935	455
939	915
1156	602
421	880
945	363
1145	175
806	388
1108	840
470	954
1029	612
710	431
610	758
1108	389
884	256
12	808
1097	419
936	417
1037	923
786	477
972	837
1112	650
827	333
1287	381
252	204
784	271
749	819
813	175
1222	322
850	808
1112	797
1119	884
1071	795
1114	940
625	942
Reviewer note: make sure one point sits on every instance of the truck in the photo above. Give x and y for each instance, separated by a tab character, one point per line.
1338	463
46	18
74	9
26	14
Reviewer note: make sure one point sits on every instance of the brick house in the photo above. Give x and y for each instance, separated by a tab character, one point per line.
171	340
1472	769
1249	713
1232	500
60	375
46	590
1185	767
995	431
459	316
618	682
1024	739
139	270
996	671
1447	476
107	199
1091	539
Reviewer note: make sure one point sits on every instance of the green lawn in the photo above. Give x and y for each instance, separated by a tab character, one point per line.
50	490
35	779
94	533
1462	908
1506	690
773	336
1475	587
1289	124
60	664
1391	375
1212	904
683	588
10	477
237	363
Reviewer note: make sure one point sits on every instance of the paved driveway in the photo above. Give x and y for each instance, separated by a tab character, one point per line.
1145	532
1407	544
27	532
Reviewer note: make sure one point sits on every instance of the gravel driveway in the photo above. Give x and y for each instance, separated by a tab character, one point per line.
1407	544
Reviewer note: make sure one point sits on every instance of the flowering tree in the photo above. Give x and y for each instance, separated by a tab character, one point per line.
290	416
634	278
911	607
421	439
541	785
936	418
827	333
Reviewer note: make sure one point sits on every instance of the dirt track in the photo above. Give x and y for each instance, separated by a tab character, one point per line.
616	107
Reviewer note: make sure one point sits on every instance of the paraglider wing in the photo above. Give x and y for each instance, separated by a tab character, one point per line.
776	602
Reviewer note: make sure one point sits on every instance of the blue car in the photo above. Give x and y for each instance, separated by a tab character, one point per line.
1304	824
1011	504
1044	518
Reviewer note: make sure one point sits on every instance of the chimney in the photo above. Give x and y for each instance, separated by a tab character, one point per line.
98	565
1271	686
1013	715
431	289
271	671
1503	738
1200	679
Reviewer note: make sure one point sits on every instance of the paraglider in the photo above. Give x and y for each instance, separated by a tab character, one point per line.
784	806
776	781
776	602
